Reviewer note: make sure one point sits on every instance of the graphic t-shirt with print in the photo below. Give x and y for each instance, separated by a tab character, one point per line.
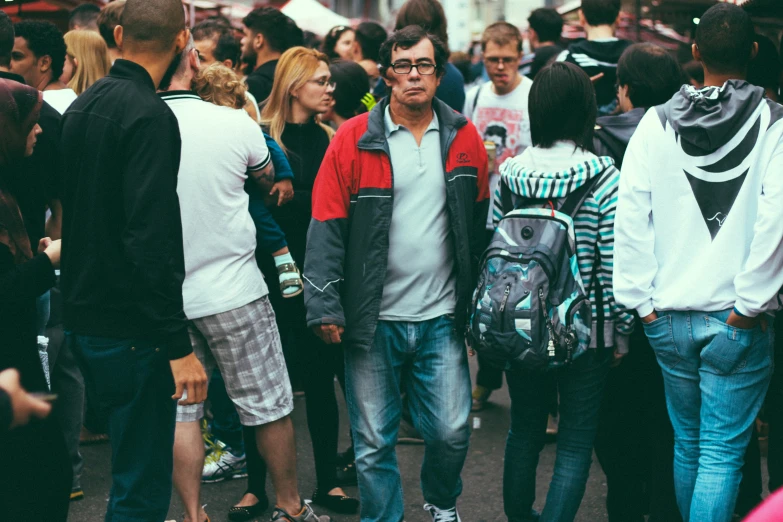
502	119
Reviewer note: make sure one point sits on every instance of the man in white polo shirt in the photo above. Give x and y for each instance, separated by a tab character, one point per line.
231	322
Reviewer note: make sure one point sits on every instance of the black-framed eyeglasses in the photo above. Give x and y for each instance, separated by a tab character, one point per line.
496	60
425	69
323	82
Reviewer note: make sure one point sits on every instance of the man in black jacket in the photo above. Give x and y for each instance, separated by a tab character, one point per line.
635	441
123	267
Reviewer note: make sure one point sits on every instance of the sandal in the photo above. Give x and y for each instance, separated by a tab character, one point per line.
87	438
293	282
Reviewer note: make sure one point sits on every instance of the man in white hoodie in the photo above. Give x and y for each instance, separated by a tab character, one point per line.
697	254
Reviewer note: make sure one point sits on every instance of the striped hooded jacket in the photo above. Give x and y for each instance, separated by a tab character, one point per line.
528	175
348	240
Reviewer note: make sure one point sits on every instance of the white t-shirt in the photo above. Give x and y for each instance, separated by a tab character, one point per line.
502	119
60	99
220	146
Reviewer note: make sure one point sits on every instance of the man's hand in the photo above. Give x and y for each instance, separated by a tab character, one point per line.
746	323
617	358
647	319
329	333
23	404
284	190
189	375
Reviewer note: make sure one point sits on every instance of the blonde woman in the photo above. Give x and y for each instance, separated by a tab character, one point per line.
301	92
86	60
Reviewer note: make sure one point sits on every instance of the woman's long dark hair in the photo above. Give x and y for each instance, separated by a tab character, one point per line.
562	106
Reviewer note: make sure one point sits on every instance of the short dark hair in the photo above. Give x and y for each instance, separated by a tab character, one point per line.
226	45
280	31
651	74
44	39
601	12
501	33
108	19
331	39
6	39
84	16
427	14
352	84
547	23
406	38
370	36
153	23
765	68
562	106
725	38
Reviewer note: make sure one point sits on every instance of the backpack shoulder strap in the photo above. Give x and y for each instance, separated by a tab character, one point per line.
506	201
573	202
475	100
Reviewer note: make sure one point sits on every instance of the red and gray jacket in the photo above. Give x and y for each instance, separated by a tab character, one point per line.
348	240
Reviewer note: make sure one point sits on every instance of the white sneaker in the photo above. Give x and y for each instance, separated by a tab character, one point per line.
221	464
442	515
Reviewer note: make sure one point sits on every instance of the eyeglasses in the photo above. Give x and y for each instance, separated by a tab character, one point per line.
494	60
425	69
323	82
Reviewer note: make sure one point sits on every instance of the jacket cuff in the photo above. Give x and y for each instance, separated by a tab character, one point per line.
337	321
178	344
645	309
622	342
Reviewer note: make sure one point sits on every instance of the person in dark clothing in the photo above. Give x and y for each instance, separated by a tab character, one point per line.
545	27
123	264
268	33
429	15
39	487
765	68
635	441
599	53
297	97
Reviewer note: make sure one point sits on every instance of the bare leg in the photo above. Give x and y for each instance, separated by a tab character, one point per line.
188	464
276	444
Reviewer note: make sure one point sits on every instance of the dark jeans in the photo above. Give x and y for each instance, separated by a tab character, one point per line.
635	440
226	426
134	384
488	376
580	386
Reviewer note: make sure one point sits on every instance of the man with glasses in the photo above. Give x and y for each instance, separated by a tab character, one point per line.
498	109
408	184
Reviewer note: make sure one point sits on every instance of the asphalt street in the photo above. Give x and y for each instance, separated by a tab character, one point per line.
481	501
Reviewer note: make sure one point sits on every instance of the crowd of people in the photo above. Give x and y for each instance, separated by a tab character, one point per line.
237	216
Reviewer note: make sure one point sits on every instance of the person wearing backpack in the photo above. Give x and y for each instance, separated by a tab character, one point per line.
557	169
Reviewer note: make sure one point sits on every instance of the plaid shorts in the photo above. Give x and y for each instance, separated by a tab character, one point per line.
245	345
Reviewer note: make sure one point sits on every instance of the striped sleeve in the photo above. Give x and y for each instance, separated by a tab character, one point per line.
606	195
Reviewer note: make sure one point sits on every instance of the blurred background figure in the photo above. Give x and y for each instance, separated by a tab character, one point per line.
340	43
351	96
84	16
369	37
108	19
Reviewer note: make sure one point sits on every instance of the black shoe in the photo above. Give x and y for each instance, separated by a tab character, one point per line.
245	513
337	503
346	476
346	457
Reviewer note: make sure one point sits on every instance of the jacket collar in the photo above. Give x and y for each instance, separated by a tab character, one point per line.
128	70
11	76
449	122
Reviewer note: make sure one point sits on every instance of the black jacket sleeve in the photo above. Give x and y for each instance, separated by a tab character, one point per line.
6	412
20	283
152	237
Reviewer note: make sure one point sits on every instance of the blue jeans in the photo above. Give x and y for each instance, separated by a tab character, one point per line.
430	358
580	386
716	377
133	382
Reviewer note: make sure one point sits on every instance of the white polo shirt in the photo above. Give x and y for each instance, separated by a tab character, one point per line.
220	146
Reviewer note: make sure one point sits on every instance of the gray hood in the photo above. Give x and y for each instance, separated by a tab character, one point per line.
706	119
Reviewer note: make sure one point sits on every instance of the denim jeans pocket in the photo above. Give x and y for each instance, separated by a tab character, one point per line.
661	337
727	351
